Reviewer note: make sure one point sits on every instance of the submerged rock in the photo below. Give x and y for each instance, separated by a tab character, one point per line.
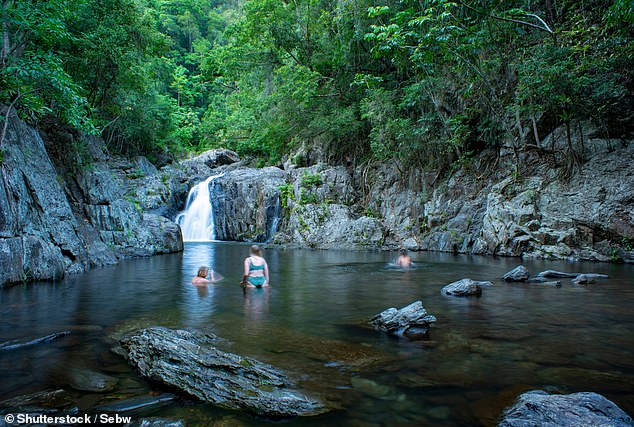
84	379
188	361
518	274
411	321
464	287
538	408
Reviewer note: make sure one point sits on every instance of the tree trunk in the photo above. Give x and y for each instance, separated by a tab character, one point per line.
535	131
6	42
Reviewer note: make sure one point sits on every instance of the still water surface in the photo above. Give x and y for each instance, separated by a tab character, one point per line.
312	323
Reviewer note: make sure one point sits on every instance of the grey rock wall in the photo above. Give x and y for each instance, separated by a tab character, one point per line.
245	203
588	217
54	223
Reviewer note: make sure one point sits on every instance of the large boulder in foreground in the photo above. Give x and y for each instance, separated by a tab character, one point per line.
411	321
188	361
538	408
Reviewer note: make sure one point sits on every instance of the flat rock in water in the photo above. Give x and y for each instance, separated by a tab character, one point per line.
411	321
538	408
464	287
584	279
518	274
188	361
552	274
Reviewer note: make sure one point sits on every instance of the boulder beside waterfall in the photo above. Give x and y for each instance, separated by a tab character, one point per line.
411	321
190	362
246	203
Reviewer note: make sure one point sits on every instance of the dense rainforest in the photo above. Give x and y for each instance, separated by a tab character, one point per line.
428	83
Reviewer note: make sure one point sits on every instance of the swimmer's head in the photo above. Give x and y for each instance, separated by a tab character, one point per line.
202	271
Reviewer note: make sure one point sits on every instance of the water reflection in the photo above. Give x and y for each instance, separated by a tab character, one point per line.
255	302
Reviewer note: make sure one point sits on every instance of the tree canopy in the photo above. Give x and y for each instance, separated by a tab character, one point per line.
428	83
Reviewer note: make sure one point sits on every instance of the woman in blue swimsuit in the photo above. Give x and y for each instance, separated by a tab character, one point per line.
256	271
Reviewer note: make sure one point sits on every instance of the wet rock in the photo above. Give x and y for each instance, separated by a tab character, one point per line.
15	344
411	321
518	274
538	408
188	361
137	403
585	279
464	287
553	274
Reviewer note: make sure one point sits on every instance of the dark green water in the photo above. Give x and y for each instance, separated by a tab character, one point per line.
482	353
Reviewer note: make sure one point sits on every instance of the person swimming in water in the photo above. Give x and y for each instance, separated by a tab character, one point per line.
403	259
201	277
256	270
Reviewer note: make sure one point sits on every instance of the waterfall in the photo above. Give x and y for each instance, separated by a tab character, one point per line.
197	221
274	219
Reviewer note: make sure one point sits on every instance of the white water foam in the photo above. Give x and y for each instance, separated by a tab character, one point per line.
197	220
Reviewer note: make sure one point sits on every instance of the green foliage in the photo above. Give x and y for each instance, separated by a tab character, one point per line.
32	74
306	196
310	180
428	83
287	191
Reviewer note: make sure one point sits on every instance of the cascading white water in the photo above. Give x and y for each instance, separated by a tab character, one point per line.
197	221
277	213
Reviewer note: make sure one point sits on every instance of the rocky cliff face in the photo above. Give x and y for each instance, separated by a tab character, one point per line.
51	224
587	217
